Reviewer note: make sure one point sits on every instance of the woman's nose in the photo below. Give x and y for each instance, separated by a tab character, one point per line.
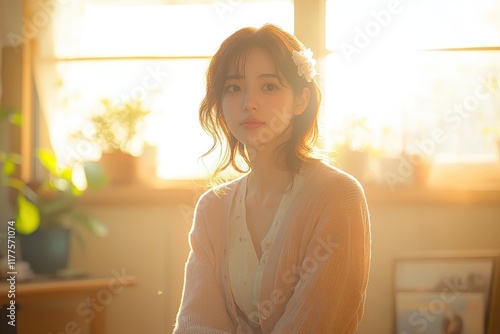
249	101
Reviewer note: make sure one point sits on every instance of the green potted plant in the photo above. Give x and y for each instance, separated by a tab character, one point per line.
46	211
117	128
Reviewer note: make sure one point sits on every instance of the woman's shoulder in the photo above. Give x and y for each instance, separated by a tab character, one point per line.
330	175
217	195
328	180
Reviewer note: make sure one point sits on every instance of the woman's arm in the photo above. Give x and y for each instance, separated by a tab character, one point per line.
203	307
330	295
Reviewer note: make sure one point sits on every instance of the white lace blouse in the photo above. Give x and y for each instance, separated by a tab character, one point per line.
245	269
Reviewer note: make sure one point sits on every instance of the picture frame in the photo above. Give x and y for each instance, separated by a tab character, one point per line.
447	292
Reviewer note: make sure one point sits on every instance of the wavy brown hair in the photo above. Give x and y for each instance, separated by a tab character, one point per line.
232	54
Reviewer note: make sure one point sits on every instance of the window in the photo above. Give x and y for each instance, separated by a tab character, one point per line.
400	78
414	77
148	50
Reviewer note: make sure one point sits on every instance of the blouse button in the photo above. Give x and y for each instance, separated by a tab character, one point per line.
264	314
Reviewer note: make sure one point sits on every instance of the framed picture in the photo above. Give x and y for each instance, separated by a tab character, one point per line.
447	293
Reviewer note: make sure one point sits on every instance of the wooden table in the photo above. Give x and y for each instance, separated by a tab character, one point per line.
47	289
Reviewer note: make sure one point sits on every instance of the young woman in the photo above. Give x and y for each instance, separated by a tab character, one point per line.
286	247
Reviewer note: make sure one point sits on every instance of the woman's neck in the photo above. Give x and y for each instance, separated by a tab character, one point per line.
266	178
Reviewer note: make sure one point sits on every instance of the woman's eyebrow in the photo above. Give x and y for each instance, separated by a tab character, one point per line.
263	75
234	77
268	75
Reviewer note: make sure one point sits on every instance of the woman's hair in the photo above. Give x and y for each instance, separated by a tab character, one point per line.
232	54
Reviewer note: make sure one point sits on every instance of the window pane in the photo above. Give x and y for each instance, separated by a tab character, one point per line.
169	30
422	24
172	89
443	104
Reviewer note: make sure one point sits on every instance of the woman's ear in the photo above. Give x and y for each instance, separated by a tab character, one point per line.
302	101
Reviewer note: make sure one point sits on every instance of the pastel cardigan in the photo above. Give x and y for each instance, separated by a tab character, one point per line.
317	271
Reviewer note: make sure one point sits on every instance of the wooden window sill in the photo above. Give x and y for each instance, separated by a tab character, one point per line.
430	195
188	192
172	193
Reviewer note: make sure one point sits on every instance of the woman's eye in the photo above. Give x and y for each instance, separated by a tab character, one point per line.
270	87
233	88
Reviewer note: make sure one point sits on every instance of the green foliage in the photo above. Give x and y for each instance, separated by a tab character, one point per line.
117	125
28	215
54	200
11	115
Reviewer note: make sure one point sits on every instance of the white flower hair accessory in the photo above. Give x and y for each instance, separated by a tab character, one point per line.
305	63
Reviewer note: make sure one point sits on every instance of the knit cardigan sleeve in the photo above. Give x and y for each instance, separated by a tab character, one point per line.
203	308
330	294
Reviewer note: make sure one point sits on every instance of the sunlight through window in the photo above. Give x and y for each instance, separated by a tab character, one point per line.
388	74
156	53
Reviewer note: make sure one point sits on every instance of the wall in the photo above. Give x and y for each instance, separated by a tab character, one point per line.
150	242
402	228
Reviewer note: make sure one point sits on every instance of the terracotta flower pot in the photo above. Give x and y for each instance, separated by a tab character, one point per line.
121	168
355	163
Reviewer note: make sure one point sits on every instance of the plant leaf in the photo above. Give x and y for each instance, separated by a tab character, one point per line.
78	236
96	177
28	216
9	167
59	204
75	191
67	174
93	225
10	160
16	118
49	161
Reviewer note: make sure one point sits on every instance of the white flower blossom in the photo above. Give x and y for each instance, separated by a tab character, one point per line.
305	63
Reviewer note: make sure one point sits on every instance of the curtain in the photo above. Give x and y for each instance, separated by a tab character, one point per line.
57	27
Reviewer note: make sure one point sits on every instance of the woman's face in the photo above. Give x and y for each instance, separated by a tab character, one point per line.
257	108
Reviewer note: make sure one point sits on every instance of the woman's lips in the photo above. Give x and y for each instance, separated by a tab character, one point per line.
252	123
